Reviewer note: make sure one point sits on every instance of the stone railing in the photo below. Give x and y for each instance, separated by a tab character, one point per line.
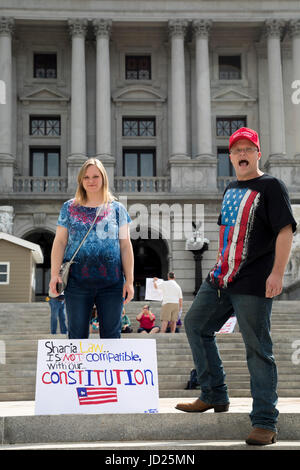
40	184
150	184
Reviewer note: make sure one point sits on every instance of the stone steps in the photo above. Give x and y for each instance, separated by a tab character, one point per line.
25	324
154	431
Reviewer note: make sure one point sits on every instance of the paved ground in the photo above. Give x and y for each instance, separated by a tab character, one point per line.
167	405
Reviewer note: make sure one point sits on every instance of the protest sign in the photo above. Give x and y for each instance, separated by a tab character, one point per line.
152	293
96	376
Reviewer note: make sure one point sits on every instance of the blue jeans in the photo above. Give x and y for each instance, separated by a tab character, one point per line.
57	312
209	311
80	299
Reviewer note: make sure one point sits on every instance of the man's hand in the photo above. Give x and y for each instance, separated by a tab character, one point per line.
274	285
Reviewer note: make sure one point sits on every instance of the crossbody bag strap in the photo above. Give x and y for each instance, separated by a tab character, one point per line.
83	240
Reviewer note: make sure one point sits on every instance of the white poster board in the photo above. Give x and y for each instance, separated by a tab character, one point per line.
151	293
228	327
96	376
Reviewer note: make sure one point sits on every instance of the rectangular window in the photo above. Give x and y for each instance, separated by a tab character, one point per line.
139	162
4	272
44	162
45	65
224	165
230	67
138	67
48	126
138	127
227	125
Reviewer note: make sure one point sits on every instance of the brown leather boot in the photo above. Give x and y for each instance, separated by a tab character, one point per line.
261	437
199	406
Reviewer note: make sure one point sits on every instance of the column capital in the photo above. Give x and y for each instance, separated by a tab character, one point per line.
201	28
102	27
78	27
177	28
273	28
294	27
7	25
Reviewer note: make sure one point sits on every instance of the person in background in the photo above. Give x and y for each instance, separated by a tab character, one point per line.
94	323
178	324
171	301
102	272
147	321
126	324
57	307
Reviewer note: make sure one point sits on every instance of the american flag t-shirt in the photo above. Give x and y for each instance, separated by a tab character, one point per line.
238	210
96	395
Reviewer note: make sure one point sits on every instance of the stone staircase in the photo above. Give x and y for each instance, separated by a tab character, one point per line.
22	325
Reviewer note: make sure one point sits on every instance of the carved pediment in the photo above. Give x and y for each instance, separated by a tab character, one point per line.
231	95
137	93
44	94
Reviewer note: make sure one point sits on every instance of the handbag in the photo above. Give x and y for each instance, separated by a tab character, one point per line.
65	267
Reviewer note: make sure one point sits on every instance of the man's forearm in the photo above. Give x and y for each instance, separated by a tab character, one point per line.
282	250
283	246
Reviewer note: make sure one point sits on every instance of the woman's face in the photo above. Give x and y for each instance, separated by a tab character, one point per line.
92	181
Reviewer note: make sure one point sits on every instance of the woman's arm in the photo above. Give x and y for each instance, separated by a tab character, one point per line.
57	255
127	262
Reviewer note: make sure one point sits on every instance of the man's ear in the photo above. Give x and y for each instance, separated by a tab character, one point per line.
259	156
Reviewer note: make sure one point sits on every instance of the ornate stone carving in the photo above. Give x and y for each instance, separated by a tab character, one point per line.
39	219
7	25
6	219
177	28
201	28
273	28
102	27
294	27
78	27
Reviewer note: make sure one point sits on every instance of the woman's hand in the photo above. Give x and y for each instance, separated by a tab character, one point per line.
53	284
128	292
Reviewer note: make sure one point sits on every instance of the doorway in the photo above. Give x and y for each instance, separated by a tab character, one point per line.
150	260
45	240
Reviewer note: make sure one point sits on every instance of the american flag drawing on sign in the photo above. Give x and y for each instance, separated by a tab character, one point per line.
96	395
237	215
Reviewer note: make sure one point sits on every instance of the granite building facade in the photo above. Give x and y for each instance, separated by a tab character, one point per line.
153	89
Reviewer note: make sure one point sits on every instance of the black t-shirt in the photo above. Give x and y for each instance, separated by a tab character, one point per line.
253	212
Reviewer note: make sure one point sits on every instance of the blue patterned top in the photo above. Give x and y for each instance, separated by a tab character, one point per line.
99	259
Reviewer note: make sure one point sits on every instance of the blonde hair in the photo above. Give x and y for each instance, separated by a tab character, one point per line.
80	195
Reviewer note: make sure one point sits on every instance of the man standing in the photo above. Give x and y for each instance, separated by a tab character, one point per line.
171	302
57	307
256	230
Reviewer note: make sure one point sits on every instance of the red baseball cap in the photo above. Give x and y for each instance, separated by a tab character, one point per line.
244	133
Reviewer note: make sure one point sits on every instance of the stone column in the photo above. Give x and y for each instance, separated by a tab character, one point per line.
7	160
273	30
177	30
294	30
201	29
102	29
77	29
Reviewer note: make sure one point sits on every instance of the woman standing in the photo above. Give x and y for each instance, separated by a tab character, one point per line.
104	259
